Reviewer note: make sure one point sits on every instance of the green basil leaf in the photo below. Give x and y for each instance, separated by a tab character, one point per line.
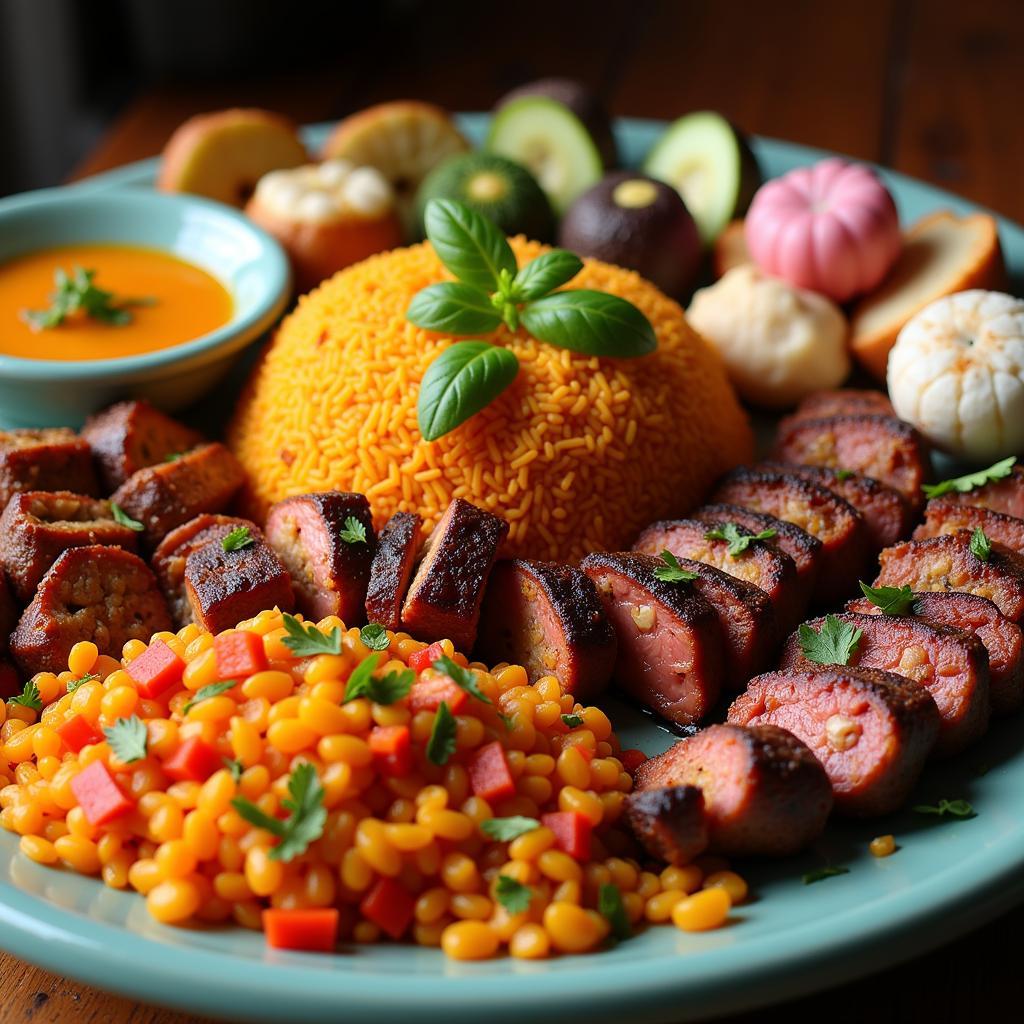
462	380
595	323
546	273
453	308
468	244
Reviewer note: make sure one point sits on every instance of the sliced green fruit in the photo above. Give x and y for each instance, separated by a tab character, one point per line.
551	142
707	160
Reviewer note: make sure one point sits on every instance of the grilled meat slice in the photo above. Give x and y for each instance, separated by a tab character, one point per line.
951	664
398	546
765	793
944	515
670	822
1006	495
106	595
132	435
549	619
843	402
170	494
872	731
671	655
446	594
54	459
329	564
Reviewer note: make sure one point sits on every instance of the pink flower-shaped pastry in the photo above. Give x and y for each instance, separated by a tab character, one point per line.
832	228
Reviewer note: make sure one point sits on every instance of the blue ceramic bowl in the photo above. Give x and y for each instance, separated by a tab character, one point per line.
245	259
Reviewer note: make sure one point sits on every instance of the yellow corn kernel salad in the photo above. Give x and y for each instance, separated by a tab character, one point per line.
289	776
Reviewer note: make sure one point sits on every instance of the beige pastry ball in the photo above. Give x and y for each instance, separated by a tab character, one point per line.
779	343
957	374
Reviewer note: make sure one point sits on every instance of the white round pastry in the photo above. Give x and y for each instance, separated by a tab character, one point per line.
956	373
779	343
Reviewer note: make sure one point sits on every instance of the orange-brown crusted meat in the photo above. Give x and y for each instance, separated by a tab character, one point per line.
765	793
37	526
1002	638
53	459
1006	495
670	822
761	564
944	515
548	618
328	557
106	595
398	546
447	591
670	653
172	553
871	730
843	402
170	494
947	563
225	587
881	447
951	664
816	509
132	435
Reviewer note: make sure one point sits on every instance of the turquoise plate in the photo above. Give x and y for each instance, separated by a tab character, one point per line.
946	878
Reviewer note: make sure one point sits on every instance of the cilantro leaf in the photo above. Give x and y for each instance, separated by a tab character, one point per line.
954	808
507	829
208	691
981	546
374	636
441	744
77	292
999	471
461	677
672	571
738	541
512	894
74	684
572	721
240	537
235	767
353	532
891	600
833	644
306	818
508	721
386	689
304	640
609	905
819	874
127	738
29	697
843	474
123	519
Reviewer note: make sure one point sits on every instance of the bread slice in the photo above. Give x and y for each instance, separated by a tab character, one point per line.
730	248
942	254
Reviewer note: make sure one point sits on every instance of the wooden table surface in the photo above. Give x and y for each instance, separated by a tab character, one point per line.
931	88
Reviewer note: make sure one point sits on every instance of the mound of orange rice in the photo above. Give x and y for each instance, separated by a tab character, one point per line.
578	455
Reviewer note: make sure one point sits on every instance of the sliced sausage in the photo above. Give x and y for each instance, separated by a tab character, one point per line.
225	587
398	546
1002	638
329	565
764	566
130	436
872	731
172	553
881	447
951	664
765	793
888	516
37	526
942	516
670	653
446	594
834	521
106	595
947	563
1006	495
843	402
549	619
53	459
8	614
670	822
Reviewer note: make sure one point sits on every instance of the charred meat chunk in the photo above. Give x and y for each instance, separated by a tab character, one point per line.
130	436
1006	495
398	546
872	731
549	619
765	793
670	822
944	515
327	543
447	591
53	459
670	654
843	402
106	595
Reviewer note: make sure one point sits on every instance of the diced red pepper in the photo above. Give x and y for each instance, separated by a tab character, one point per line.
489	773
194	761
632	759
156	670
419	660
99	795
572	832
239	655
76	733
389	905
314	930
428	692
392	749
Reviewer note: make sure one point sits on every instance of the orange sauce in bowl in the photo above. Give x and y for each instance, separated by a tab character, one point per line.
187	302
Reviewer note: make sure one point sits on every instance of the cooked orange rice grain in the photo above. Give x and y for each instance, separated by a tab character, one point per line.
579	454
